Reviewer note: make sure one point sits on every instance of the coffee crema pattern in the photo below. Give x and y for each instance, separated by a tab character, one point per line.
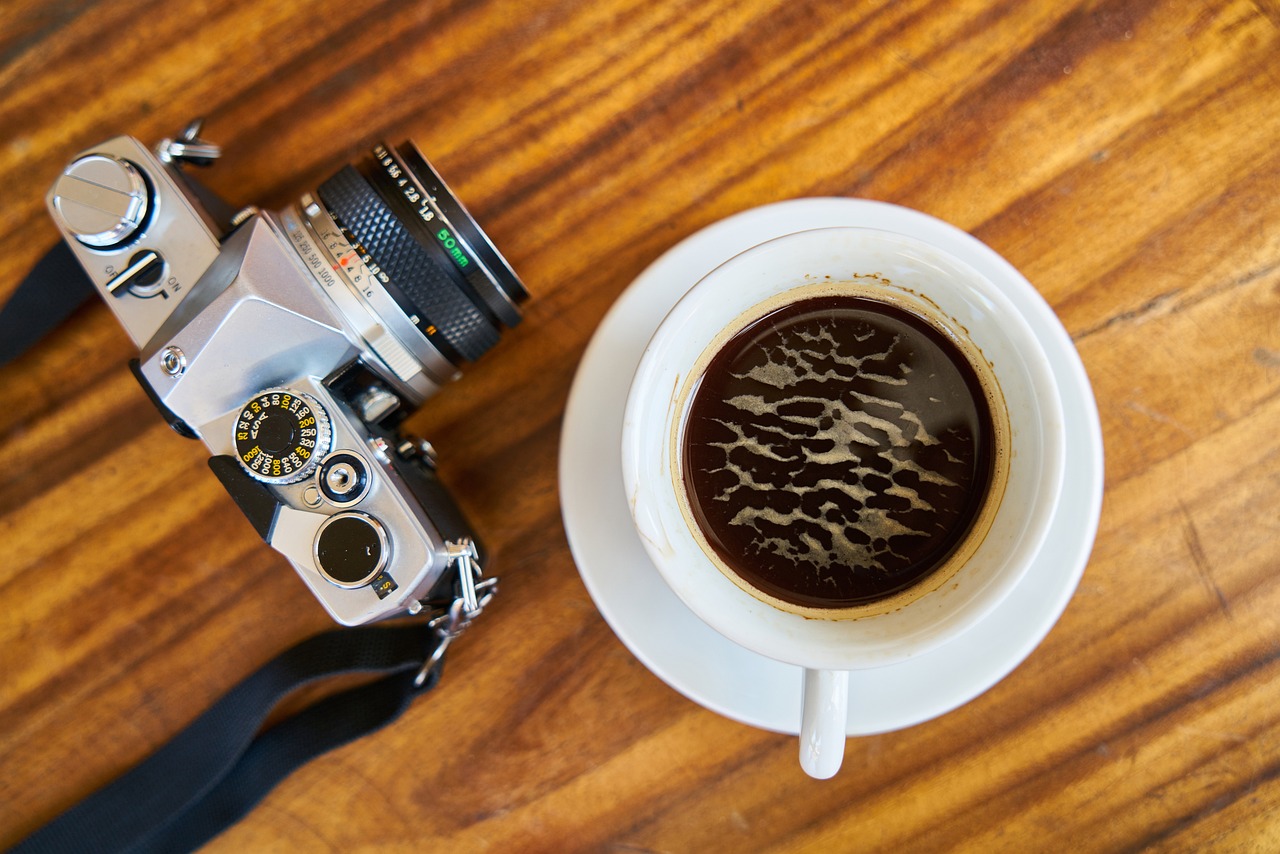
836	451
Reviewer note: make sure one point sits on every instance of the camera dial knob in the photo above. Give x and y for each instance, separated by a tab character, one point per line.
281	435
102	200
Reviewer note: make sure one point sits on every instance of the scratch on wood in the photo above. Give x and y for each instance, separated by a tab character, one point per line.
1218	735
1155	415
1139	313
1160	300
912	63
1269	10
1192	537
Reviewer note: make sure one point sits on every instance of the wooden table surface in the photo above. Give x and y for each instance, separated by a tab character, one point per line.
1122	154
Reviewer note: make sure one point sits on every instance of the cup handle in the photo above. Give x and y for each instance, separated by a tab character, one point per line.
824	709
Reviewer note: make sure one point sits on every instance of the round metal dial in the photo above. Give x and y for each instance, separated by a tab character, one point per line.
102	200
351	549
281	435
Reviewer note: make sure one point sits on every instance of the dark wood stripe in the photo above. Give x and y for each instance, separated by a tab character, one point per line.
126	419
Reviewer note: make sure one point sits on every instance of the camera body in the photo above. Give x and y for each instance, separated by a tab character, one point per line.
293	343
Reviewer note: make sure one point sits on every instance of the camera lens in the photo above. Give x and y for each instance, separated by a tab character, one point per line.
426	251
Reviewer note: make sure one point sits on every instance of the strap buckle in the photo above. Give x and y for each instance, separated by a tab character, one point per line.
474	592
188	147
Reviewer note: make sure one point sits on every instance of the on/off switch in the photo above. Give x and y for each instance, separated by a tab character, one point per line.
141	276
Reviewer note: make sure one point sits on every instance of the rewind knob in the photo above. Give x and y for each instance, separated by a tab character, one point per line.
102	200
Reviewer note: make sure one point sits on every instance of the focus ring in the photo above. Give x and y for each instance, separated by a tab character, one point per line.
504	292
408	263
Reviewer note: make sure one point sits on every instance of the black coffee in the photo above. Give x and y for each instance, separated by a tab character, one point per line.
837	451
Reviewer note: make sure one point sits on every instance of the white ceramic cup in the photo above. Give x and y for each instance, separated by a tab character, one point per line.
907	272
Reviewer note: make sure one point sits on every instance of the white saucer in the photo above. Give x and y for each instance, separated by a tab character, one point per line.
681	649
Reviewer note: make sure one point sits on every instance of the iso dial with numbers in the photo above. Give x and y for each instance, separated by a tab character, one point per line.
281	435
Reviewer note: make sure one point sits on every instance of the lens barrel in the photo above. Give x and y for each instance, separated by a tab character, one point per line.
436	263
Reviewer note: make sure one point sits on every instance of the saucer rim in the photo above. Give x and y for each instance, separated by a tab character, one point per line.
919	700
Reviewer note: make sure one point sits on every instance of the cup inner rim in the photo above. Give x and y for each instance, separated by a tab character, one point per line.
665	532
874	288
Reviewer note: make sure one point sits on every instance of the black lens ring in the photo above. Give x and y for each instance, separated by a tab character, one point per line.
412	312
408	263
504	291
425	290
396	192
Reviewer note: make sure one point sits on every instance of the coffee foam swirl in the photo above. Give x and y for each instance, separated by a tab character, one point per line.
836	452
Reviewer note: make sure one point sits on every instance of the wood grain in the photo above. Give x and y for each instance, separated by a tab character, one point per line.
1122	154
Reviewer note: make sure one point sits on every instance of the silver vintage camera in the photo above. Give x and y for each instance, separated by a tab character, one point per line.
294	342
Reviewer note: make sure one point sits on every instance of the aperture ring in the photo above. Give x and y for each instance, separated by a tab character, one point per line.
493	279
409	265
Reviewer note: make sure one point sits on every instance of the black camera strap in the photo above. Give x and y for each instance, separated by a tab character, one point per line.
218	768
54	288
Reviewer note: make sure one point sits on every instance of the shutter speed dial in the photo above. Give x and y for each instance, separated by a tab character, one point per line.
281	435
